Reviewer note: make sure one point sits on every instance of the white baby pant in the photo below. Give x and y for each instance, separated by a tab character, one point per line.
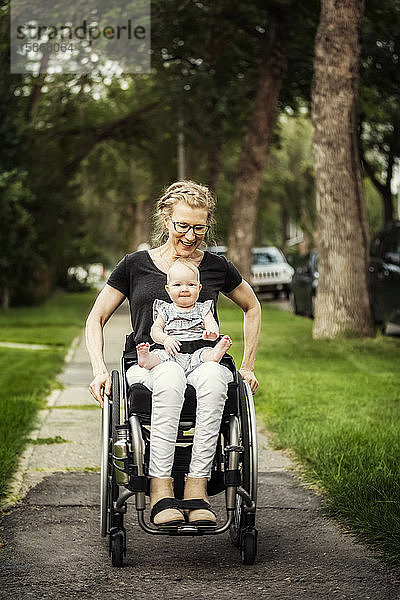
188	362
167	381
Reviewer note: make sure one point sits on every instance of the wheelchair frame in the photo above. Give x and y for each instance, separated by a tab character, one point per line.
237	465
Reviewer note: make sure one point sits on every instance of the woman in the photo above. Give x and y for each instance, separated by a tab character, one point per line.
183	215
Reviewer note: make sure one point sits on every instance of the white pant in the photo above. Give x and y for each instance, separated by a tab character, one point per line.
167	381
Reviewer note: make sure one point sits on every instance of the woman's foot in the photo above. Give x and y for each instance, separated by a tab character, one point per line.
201	514
215	354
162	502
146	359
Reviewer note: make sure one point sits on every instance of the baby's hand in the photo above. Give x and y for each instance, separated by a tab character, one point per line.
171	345
210	334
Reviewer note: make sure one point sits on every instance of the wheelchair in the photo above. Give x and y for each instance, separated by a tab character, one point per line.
126	423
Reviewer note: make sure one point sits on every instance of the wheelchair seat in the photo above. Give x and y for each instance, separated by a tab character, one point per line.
139	396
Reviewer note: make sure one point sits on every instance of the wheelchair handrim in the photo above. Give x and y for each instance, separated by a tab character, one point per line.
253	441
105	441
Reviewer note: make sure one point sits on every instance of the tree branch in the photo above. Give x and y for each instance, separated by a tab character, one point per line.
107	131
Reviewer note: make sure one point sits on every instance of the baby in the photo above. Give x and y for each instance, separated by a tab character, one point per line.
184	319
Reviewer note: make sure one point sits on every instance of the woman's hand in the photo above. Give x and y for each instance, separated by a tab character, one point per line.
100	385
171	345
250	378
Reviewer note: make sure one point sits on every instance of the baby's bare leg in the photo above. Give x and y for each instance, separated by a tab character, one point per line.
215	354
146	359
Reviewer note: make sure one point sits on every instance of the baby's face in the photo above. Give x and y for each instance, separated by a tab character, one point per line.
183	287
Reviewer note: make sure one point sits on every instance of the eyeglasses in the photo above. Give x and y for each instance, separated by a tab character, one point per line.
185	227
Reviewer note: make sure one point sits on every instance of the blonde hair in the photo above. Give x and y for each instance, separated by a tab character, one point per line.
186	263
193	194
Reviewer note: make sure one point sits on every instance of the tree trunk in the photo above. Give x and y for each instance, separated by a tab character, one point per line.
214	164
255	147
136	223
37	85
343	300
5	298
142	221
284	226
388	207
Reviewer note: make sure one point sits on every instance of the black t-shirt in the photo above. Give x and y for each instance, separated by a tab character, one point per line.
137	277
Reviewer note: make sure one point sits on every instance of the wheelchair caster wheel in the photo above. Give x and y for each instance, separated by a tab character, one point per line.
248	547
117	549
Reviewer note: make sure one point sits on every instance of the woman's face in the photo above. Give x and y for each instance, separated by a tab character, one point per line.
185	244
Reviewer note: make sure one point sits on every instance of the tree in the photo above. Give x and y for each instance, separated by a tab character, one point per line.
379	97
343	299
289	180
17	234
206	61
256	143
287	23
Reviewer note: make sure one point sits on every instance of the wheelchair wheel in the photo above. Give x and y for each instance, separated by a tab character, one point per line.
117	550
109	490
248	546
242	531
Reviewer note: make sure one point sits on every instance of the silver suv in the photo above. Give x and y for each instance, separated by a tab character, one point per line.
270	271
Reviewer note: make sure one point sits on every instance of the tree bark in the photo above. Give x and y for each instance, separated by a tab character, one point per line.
284	225
343	302
136	223
5	298
37	85
255	147
214	164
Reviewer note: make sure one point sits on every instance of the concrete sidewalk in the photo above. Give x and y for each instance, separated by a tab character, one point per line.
72	414
52	547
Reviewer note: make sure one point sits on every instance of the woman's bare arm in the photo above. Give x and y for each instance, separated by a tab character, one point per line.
244	297
106	303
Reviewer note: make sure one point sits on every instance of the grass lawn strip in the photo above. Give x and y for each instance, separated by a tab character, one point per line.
26	377
335	403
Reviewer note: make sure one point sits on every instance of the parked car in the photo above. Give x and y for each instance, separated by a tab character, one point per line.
304	286
384	274
270	271
384	278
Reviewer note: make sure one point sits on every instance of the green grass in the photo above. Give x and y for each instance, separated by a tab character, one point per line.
48	441
27	376
54	322
336	404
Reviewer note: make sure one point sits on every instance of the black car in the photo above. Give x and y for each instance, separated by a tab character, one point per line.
304	286
384	274
384	278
